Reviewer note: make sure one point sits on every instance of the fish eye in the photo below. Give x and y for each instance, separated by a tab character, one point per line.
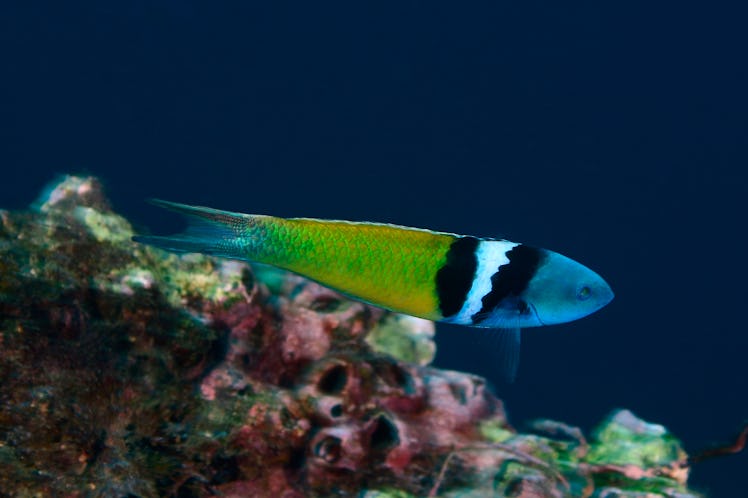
584	293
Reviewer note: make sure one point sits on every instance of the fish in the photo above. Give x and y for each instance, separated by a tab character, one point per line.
444	277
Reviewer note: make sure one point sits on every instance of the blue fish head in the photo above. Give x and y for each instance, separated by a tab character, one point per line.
563	290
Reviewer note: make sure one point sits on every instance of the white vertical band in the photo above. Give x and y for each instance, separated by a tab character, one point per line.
490	255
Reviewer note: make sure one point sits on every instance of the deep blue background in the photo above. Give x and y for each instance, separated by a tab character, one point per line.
612	132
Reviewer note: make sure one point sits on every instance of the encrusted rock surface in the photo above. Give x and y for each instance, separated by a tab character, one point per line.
126	371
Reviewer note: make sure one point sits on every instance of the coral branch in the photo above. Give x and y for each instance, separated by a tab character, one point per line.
736	446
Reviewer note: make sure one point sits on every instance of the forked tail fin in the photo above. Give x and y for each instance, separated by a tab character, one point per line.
209	231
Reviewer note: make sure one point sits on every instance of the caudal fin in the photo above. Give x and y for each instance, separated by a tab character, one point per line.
209	231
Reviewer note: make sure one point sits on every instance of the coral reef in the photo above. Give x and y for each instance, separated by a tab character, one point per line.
127	371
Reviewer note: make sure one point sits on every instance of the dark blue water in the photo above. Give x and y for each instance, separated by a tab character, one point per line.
614	133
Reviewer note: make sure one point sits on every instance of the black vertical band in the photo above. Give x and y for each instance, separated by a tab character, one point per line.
511	279
455	278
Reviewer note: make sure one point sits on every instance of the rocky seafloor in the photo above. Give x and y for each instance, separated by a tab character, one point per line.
129	372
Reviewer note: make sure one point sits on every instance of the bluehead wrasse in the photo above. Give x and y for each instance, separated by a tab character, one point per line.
444	277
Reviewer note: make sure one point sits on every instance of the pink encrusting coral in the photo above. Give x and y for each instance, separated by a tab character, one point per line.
362	416
127	371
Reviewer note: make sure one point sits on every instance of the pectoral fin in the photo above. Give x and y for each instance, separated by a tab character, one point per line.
508	341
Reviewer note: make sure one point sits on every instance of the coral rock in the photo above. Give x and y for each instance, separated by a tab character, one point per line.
127	371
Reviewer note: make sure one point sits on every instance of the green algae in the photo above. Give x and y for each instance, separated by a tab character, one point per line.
495	431
104	227
404	337
624	439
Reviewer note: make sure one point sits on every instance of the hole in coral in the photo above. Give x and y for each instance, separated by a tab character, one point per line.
227	469
329	449
404	380
98	447
297	459
246	360
394	375
248	279
333	381
385	434
458	392
326	304
336	410
191	488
